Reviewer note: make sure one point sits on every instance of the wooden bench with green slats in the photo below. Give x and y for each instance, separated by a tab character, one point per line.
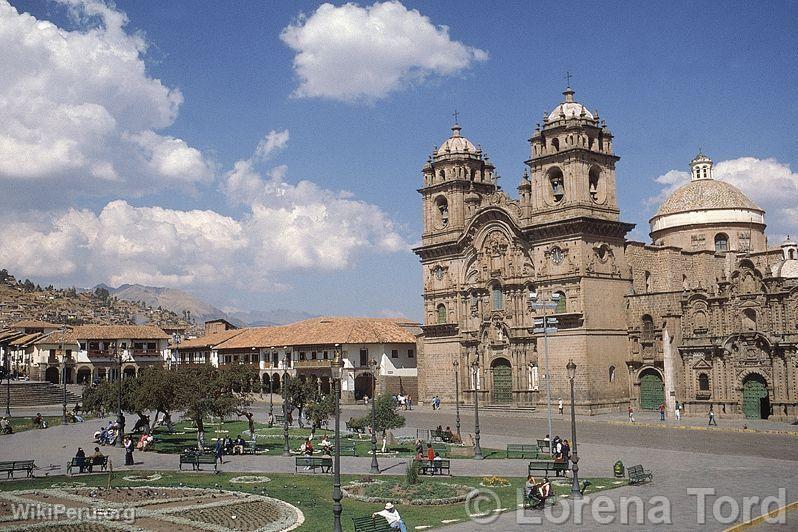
312	462
545	466
196	459
368	523
348	448
522	450
17	465
544	446
431	467
89	464
441	449
638	475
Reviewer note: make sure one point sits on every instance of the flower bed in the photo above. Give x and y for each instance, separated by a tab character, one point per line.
424	493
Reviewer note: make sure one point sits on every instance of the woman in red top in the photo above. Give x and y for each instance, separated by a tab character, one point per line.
430	452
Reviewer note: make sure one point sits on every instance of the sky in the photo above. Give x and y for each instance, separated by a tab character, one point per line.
266	155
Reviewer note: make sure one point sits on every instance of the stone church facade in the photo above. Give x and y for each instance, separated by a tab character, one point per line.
650	323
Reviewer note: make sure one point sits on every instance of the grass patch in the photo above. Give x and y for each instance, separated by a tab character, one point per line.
310	493
21	424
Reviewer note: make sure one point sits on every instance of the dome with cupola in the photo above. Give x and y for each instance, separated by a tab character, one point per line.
788	266
708	214
456	144
569	108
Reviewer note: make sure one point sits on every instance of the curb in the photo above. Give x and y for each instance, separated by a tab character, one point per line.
698	427
760	519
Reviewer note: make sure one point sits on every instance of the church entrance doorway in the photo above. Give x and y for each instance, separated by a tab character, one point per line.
756	404
652	390
502	381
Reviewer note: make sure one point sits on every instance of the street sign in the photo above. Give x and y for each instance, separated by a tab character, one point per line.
549	321
540	306
548	330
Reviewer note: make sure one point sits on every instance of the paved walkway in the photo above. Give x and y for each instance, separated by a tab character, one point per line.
733	463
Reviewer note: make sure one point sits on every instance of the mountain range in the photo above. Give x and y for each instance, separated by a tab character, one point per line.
200	311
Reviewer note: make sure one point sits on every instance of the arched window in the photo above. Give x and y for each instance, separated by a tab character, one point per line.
647	328
443	211
703	382
557	183
555	143
497	297
562	303
792	254
612	374
647	277
749	319
442	175
441	313
721	242
593	182
684	282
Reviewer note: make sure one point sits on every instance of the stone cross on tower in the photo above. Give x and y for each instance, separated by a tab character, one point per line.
455	114
568	77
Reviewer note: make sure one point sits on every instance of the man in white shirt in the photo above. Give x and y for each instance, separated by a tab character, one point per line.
392	516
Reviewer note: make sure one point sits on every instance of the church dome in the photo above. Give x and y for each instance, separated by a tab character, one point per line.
456	144
569	108
706	194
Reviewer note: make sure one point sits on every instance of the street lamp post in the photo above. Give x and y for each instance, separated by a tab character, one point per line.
8	382
571	368
286	448
375	467
456	397
337	369
545	326
63	375
271	390
475	368
120	419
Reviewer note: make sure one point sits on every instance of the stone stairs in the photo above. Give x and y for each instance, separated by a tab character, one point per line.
32	393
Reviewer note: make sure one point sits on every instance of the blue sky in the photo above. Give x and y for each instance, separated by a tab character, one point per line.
668	78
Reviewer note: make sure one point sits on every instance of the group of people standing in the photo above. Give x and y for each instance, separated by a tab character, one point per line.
561	451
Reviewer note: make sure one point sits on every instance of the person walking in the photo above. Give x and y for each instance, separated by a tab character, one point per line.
631	414
662	411
392	516
129	448
218	450
559	405
712	417
678	411
409	402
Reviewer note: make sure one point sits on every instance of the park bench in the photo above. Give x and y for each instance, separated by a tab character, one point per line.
545	466
442	435
522	450
356	430
368	523
312	462
250	447
348	447
441	449
638	475
430	467
544	446
195	459
88	464
279	419
17	465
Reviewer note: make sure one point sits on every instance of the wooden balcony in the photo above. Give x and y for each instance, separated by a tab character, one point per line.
312	364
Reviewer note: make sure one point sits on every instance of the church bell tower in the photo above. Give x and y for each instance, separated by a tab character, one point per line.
572	165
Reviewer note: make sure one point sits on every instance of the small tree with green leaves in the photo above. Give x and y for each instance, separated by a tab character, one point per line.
386	416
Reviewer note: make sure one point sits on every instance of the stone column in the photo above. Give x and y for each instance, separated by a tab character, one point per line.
668	371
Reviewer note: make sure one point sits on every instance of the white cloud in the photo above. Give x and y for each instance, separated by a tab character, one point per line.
273	142
284	227
78	110
770	183
364	53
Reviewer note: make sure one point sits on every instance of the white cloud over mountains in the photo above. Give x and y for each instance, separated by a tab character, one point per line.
78	108
770	183
353	53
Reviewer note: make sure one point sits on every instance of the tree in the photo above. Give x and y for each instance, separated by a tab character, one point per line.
105	396
204	391
319	409
158	392
385	415
299	393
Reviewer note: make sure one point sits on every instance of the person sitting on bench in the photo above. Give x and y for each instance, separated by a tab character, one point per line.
238	446
436	463
392	516
5	426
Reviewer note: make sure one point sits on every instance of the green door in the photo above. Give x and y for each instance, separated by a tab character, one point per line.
652	391
502	384
754	391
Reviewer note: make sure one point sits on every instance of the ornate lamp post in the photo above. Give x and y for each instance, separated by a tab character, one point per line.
286	448
375	467
271	389
456	396
8	381
63	374
337	369
475	369
120	418
571	368
545	326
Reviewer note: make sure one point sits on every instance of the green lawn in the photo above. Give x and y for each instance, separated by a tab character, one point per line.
311	493
270	440
21	424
